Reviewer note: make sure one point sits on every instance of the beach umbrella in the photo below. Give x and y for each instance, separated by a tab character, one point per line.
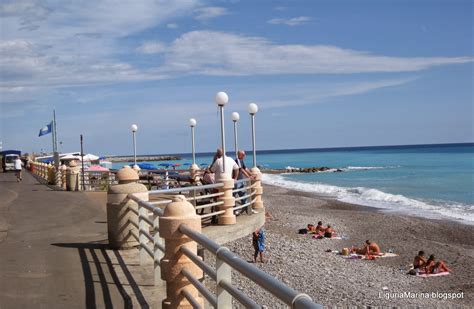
146	166
165	164
97	168
71	157
177	164
90	157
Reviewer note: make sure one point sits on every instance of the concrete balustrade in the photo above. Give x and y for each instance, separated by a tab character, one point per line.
179	212
257	183
63	171
50	172
72	177
122	218
194	172
228	200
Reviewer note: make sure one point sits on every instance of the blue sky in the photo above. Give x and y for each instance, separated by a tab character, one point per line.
324	73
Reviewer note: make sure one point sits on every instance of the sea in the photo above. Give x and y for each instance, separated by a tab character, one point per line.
432	181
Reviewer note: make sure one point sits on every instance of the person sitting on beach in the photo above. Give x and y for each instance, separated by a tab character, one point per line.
319	228
369	248
420	260
433	267
329	232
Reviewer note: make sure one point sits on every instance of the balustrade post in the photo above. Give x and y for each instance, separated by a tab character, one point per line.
258	204
63	175
72	176
158	254
194	172
228	217
178	212
120	210
50	174
224	273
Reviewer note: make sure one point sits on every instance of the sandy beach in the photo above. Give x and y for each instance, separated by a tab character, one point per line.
303	264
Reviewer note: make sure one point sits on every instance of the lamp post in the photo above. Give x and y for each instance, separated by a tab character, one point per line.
235	118
221	99
257	181
192	124
253	109
227	199
134	129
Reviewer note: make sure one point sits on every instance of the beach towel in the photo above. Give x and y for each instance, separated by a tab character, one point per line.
423	274
322	237
354	256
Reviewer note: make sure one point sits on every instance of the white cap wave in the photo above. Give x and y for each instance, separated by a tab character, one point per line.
379	199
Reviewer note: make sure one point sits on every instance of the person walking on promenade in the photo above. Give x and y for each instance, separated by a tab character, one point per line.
18	169
258	241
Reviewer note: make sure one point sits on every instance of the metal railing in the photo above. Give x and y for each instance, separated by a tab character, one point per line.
205	197
151	247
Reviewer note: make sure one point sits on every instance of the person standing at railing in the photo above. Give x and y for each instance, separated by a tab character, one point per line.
244	173
232	169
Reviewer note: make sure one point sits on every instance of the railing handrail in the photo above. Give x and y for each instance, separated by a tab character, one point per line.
224	257
187	189
269	283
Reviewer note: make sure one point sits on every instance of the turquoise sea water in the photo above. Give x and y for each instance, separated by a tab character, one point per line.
435	181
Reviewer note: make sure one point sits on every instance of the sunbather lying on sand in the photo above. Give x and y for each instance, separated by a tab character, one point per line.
433	267
370	248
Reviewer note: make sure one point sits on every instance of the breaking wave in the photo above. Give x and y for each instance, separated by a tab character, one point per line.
375	198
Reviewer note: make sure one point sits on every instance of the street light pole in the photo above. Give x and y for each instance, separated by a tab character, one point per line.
192	124
134	128
253	109
221	99
235	118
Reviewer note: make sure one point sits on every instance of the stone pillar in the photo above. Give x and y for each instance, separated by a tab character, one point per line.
136	168
118	213
50	174
194	172
229	201
178	212
258	188
72	176
63	170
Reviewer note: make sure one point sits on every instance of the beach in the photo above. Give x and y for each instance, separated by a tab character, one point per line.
302	263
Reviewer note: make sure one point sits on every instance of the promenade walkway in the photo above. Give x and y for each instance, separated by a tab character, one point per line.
53	252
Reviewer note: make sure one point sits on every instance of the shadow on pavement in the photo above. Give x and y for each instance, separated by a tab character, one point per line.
97	264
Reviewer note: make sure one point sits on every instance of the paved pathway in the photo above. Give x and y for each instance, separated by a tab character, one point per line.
53	252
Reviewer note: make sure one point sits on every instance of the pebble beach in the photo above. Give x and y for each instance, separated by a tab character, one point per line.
303	263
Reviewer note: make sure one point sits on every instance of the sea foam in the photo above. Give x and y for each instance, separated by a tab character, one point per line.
379	199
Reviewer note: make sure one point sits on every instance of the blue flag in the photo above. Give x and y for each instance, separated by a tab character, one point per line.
47	129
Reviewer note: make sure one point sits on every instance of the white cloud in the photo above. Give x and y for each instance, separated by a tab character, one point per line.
295	21
225	54
152	48
172	25
73	43
210	12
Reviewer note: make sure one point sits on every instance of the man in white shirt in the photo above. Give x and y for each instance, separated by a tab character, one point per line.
18	169
231	168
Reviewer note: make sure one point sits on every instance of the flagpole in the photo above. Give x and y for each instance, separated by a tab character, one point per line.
55	151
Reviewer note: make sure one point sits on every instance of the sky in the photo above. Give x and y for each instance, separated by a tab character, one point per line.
325	73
